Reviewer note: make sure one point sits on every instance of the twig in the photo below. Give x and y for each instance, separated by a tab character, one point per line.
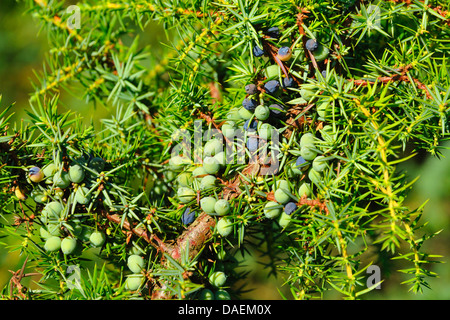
397	77
17	277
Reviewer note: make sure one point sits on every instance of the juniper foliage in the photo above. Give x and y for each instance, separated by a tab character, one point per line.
373	94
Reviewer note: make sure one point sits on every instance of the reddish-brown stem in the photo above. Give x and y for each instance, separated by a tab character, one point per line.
394	78
304	201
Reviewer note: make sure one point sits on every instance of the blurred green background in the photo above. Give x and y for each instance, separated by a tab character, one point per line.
22	51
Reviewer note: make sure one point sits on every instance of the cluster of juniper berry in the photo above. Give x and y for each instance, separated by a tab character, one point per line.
262	116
